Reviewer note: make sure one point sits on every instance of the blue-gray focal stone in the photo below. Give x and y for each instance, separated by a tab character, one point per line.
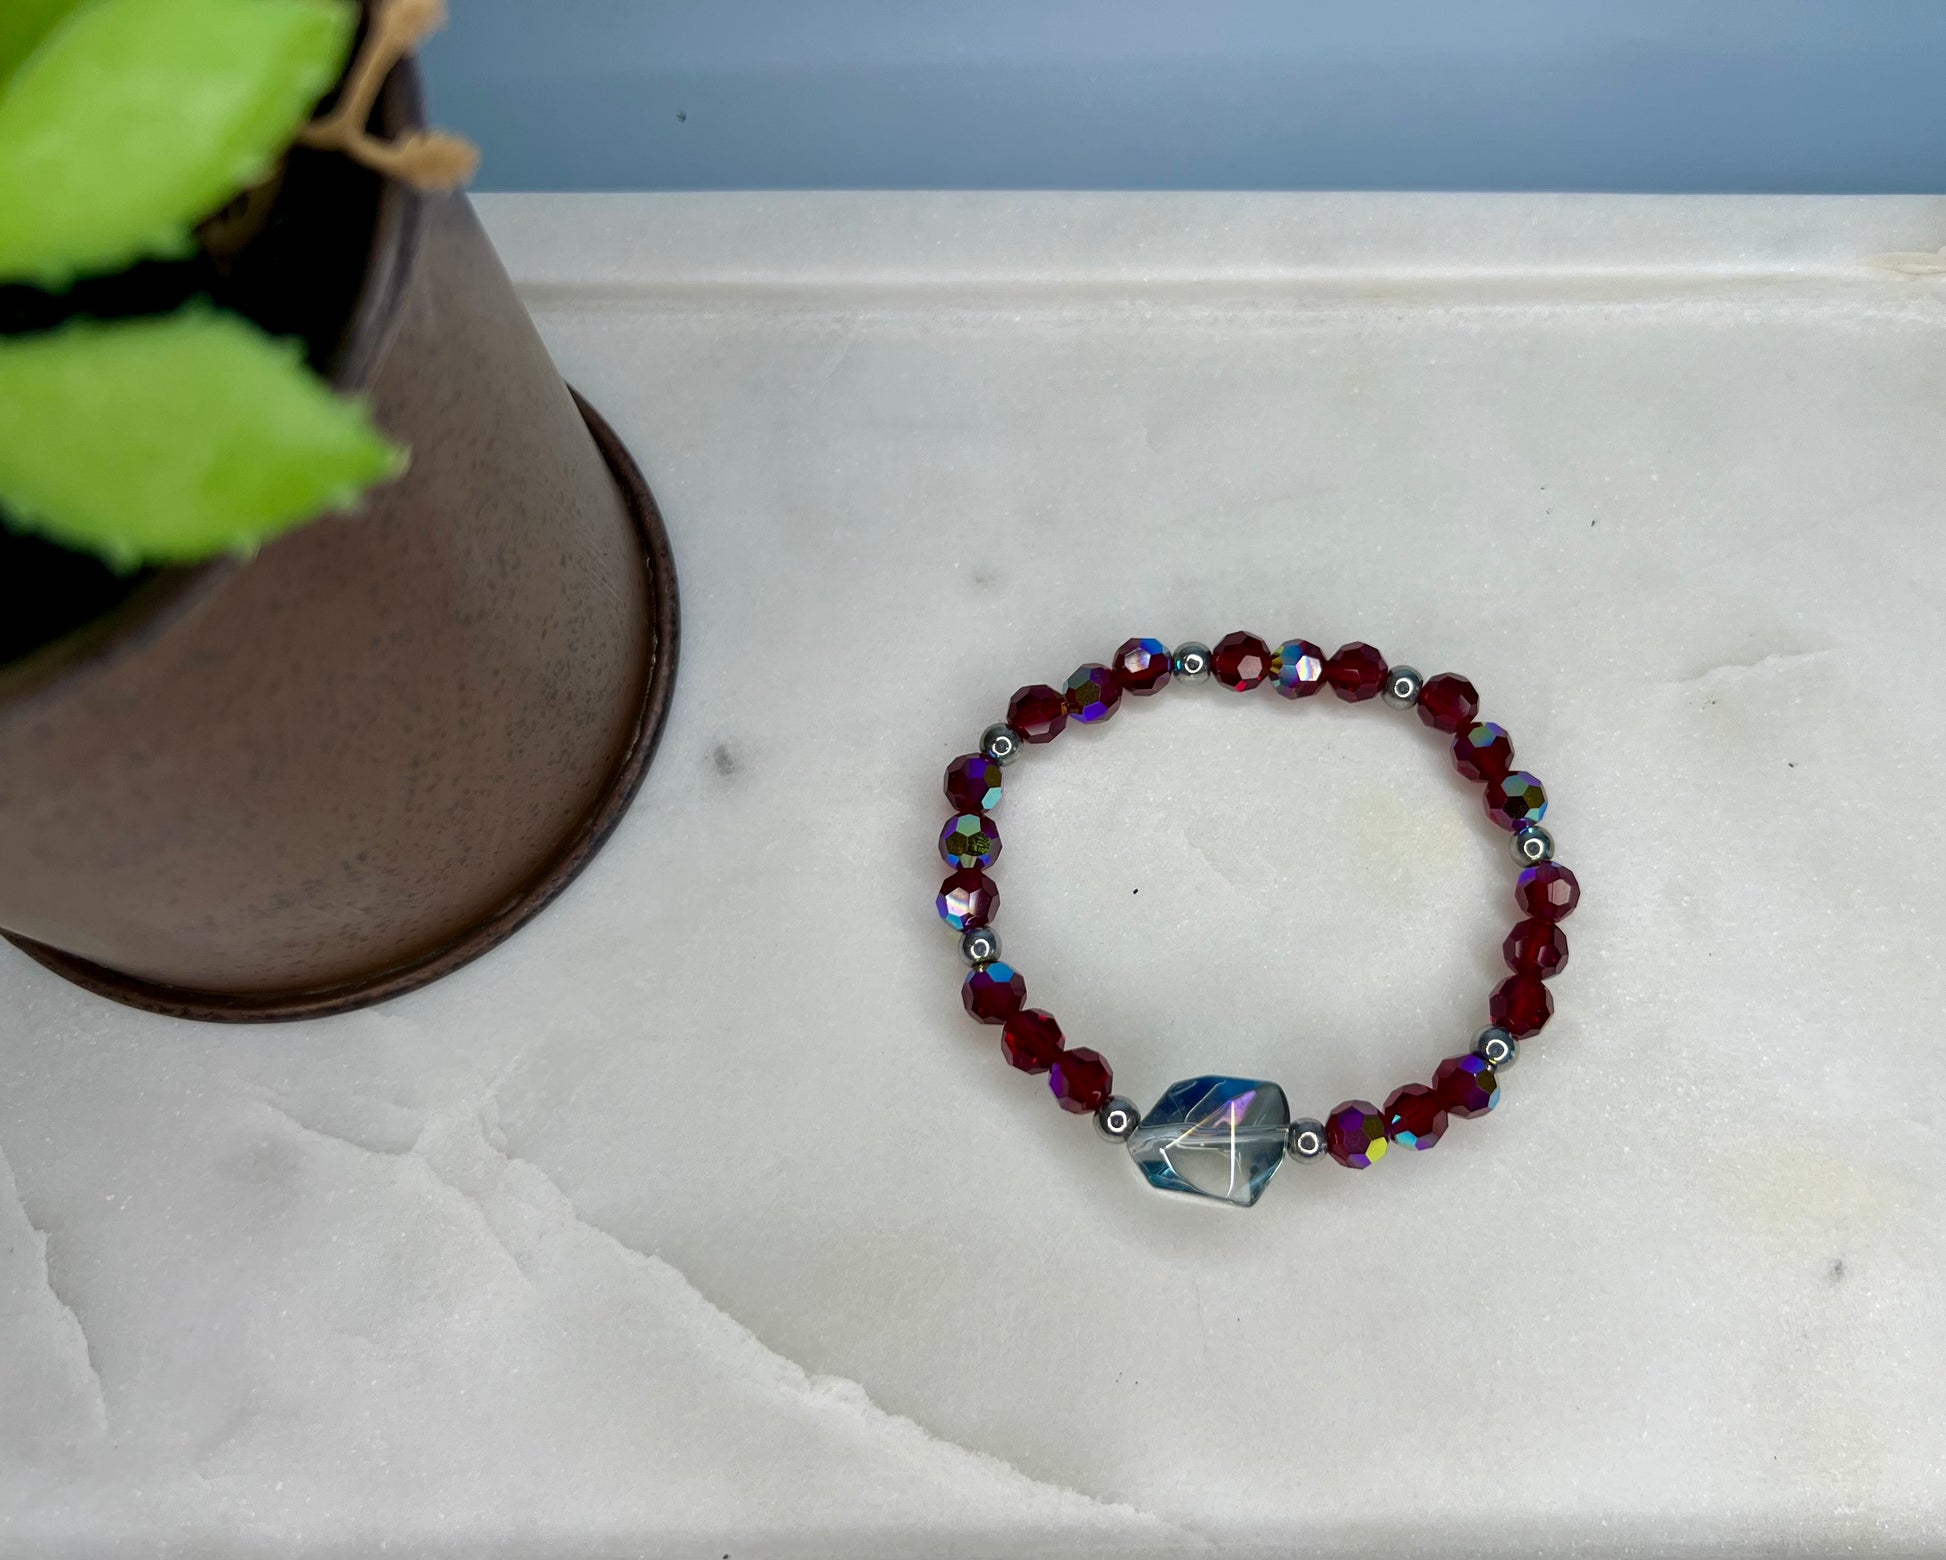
1214	1137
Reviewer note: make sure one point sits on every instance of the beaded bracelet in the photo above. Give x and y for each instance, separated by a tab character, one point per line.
1225	1137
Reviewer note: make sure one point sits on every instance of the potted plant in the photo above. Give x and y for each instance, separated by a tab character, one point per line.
335	632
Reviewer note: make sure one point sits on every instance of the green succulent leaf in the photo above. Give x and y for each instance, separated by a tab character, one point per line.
136	119
170	439
23	23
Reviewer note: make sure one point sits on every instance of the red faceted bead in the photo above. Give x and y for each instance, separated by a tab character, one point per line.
1240	661
1297	668
1037	712
1466	1085
1483	751
969	840
1032	1040
1548	891
1516	800
1142	666
973	783
1536	947
1415	1116
994	992
968	899
1093	694
1354	1134
1521	1005
1081	1080
1356	673
1448	702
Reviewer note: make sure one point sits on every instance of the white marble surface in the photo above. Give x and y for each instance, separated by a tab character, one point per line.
699	1221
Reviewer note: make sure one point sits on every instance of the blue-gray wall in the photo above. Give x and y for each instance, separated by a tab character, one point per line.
1822	95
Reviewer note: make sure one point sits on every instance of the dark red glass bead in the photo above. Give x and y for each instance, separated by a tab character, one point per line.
1516	800
1548	891
1037	712
1142	666
1466	1085
1240	661
968	899
1356	673
1092	693
1032	1040
1521	1005
1354	1134
994	992
973	783
1536	947
1448	702
1297	668
1081	1080
1483	751
969	840
1415	1116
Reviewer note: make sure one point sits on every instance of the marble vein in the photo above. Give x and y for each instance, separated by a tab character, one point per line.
67	1320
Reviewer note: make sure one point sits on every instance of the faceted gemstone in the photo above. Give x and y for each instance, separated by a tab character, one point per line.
1536	947
1448	702
970	840
1214	1137
1521	1005
1081	1080
1142	666
1483	751
1093	694
1548	891
994	992
1240	661
1516	800
1037	712
1415	1116
1297	668
1032	1040
968	899
973	783
1466	1085
1354	1134
1356	673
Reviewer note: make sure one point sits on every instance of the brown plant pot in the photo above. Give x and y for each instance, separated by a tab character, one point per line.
298	784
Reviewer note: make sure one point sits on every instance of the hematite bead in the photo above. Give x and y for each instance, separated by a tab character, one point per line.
1466	1085
1483	751
970	840
1521	1005
1536	947
1516	800
1031	1040
973	783
979	945
994	992
1142	666
1498	1049
1081	1080
1037	712
967	899
1415	1117
1402	687
1001	743
1448	702
1092	694
1356	672
1306	1139
1191	661
1214	1137
1549	891
1240	661
1297	668
1354	1134
1116	1119
1532	845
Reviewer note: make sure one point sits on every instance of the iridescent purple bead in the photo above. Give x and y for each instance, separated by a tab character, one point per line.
1092	694
1515	800
1297	668
968	899
1466	1085
970	840
973	783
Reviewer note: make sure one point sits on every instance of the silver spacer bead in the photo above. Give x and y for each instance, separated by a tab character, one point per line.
1116	1119
1001	743
1305	1140
1402	685
1496	1048
1533	845
980	945
1191	661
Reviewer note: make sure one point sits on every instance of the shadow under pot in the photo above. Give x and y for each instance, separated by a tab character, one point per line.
300	783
